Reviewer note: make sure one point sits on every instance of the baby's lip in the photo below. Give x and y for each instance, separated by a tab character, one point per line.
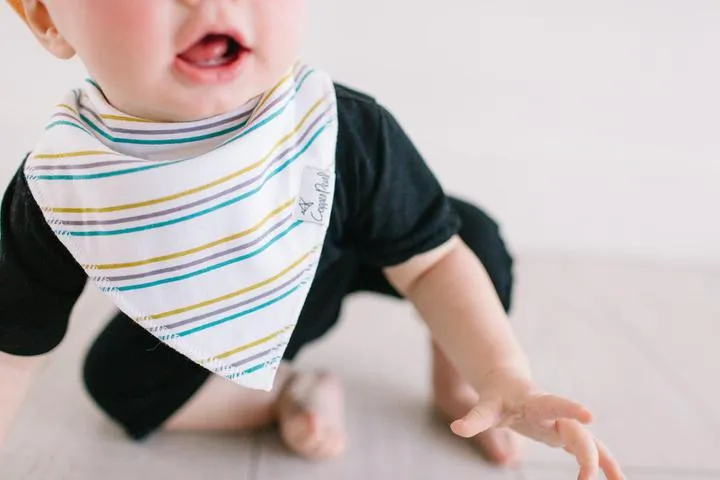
197	34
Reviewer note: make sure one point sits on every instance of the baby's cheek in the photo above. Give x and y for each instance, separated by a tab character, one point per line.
131	23
280	24
133	31
290	15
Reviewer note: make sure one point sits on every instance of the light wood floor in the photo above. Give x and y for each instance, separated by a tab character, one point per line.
637	342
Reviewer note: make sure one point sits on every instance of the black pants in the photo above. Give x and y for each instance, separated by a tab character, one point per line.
140	382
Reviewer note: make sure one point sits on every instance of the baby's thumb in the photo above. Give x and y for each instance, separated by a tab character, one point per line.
481	418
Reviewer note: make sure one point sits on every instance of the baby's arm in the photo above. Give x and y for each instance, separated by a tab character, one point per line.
456	298
16	377
39	285
402	211
453	293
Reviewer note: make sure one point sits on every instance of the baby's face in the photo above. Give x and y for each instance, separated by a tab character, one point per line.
181	60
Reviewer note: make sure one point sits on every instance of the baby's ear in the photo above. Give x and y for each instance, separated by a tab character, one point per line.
41	23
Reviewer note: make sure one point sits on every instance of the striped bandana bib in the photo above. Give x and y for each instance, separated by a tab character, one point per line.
206	233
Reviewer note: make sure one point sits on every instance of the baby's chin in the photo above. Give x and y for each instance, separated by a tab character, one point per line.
183	106
169	100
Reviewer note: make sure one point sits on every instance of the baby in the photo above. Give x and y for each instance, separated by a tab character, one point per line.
228	198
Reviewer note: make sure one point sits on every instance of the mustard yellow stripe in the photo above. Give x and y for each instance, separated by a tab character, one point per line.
201	188
235	351
172	256
68	107
233	294
270	93
123	118
85	153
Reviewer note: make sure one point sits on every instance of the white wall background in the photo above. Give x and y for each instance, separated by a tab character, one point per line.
584	126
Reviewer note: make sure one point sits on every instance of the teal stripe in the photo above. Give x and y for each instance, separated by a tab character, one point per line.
105	175
255	368
203	212
94	84
138	169
178	278
240	314
68	124
175	141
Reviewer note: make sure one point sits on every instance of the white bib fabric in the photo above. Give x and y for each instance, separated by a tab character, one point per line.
208	233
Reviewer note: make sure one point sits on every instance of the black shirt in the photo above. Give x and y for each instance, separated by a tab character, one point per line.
388	207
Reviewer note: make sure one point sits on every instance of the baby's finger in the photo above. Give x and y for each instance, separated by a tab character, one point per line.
551	407
482	417
608	464
579	442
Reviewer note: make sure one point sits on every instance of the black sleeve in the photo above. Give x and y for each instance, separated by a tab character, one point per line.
404	211
40	281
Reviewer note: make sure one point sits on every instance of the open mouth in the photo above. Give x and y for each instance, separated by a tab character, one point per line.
215	58
213	50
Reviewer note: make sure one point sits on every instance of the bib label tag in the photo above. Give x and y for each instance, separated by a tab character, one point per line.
314	202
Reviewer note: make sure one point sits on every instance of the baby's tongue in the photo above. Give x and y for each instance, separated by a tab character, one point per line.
209	51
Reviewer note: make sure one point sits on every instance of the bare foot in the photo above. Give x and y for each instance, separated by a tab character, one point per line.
311	415
500	446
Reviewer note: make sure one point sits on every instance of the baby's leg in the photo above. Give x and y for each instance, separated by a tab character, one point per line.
146	386
307	406
220	405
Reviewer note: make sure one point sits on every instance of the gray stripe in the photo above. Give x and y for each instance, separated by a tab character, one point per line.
272	104
194	263
202	200
86	165
75	120
131	131
198	318
250	359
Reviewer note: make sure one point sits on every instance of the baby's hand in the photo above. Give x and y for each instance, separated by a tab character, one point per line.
509	399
